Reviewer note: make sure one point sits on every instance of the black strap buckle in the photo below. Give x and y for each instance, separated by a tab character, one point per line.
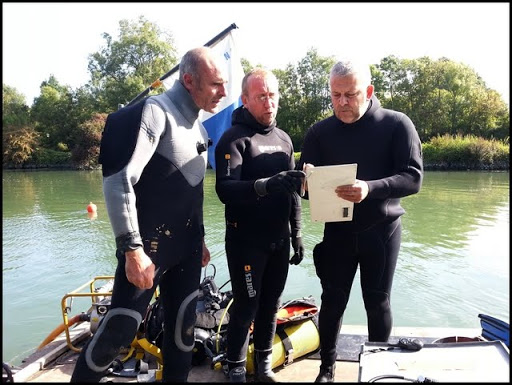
288	348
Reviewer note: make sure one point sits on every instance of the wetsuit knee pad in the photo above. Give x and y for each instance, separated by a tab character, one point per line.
117	330
376	301
185	322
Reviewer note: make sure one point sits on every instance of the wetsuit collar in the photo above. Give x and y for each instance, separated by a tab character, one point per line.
242	116
182	99
372	107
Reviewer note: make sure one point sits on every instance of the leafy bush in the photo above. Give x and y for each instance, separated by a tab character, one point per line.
44	157
465	152
19	145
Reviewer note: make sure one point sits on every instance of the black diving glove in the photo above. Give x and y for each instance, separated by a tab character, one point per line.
283	182
298	248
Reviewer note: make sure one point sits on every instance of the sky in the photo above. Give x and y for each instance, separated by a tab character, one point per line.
43	39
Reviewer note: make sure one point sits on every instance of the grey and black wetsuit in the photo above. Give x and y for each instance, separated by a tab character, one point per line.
258	228
155	200
387	150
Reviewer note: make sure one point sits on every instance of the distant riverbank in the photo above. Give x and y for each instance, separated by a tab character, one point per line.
461	166
442	166
442	153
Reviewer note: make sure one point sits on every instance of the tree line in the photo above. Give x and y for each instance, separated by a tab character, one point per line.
64	125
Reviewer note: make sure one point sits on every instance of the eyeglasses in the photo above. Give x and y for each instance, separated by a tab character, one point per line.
263	98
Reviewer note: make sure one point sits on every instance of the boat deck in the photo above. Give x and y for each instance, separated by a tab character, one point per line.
55	362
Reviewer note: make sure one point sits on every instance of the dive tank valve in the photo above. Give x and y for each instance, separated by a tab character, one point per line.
99	310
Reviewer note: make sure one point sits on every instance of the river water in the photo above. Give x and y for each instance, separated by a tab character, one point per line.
453	265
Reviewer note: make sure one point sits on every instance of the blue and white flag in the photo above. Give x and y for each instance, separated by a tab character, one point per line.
217	123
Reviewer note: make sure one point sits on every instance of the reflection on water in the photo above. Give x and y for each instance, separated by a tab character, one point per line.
452	205
454	262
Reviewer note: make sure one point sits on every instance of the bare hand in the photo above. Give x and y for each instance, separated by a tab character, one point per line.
139	268
306	167
356	192
206	255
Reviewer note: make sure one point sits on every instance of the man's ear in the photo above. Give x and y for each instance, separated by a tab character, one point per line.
188	81
369	91
245	99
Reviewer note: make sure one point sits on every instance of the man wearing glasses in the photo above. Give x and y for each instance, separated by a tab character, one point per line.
256	180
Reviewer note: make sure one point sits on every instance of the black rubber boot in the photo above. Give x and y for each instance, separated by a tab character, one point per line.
326	374
237	371
263	366
237	374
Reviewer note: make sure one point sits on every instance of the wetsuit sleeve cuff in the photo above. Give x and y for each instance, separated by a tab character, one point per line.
378	189
129	241
260	186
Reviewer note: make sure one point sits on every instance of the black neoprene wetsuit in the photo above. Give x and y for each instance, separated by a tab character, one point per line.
387	150
258	228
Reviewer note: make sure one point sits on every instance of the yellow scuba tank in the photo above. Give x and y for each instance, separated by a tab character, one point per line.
290	342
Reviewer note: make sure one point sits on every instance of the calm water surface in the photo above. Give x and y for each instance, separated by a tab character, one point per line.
453	265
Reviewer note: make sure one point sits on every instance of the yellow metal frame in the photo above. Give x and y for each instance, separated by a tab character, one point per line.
78	292
138	346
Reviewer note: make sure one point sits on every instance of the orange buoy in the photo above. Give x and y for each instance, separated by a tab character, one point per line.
91	208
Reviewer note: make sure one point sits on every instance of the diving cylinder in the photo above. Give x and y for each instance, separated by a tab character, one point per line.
303	337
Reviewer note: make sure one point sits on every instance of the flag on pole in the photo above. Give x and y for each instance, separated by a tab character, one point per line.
217	123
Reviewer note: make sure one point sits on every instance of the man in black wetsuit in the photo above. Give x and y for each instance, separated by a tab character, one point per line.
153	156
387	150
256	180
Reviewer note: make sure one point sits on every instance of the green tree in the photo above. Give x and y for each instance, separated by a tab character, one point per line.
487	116
305	95
15	112
85	105
125	67
389	80
19	138
246	65
88	139
52	113
441	97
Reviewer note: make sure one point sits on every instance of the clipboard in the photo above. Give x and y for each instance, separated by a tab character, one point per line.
324	204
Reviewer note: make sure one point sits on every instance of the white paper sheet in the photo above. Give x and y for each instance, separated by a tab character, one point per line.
324	204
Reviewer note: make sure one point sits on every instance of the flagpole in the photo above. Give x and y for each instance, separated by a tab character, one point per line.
158	82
